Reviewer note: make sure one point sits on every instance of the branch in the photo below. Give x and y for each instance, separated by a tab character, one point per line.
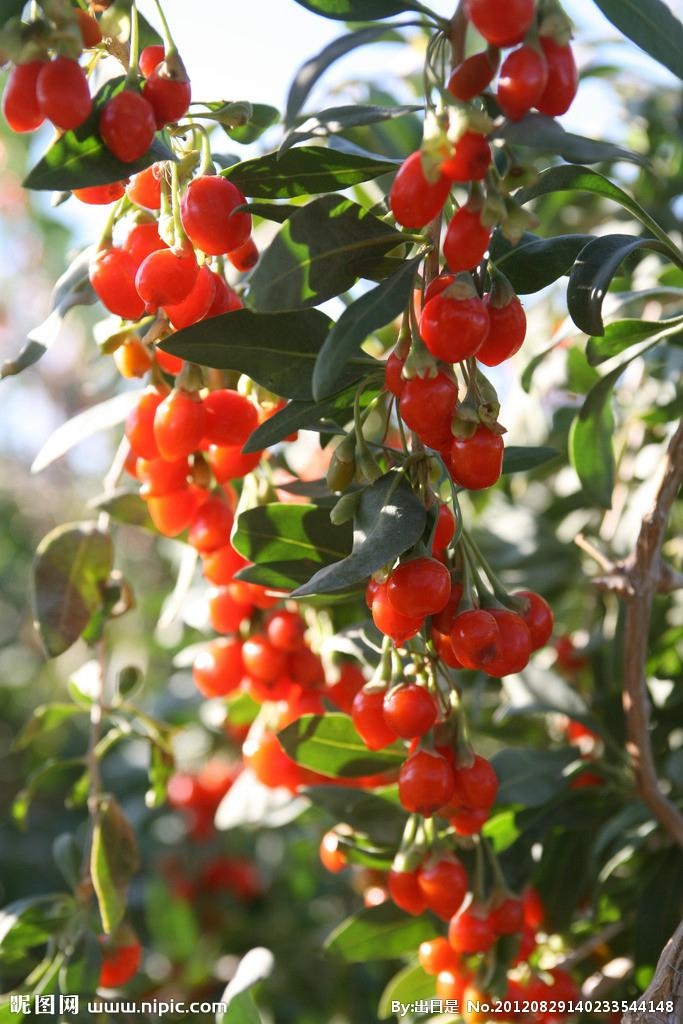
666	986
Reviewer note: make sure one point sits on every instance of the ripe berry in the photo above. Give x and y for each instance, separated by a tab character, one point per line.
219	668
262	660
367	715
467	821
466	240
522	81
132	358
470	159
474	637
271	765
112	275
158	476
427	405
538	617
127	125
179	424
390	621
452	327
144	188
507	330
534	911
331	853
230	417
207	212
286	631
501	25
405	891
20	103
91	33
425	782
342	692
436	955
444	530
226	299
225	613
453	982
507	916
220	565
413	199
172	513
409	710
476	785
563	78
99	195
140	424
476	462
444	884
63	93
245	256
211	527
471	930
228	462
473	75
393	369
419	586
150	57
166	277
142	240
119	963
196	305
169	96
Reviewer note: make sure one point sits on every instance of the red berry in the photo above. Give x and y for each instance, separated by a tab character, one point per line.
507	330
159	476
507	917
127	125
172	513
454	328
220	565
20	103
169	97
471	930
230	417
427	405
119	963
91	33
393	369
219	668
473	75
142	240
444	530
534	911
436	955
140	424
144	188
444	884
453	982
207	212
342	692
425	782
409	710
271	765
245	256
522	80
112	275
419	586
63	93
538	617
501	25
262	660
168	363
166	277
467	821
286	631
470	159
99	195
414	200
226	299
390	621
476	785
228	462
405	891
476	462
331	853
466	240
563	78
150	57
196	305
179	425
367	715
225	613
212	525
514	644
474	637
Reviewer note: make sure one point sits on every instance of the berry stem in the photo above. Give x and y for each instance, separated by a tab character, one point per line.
169	45
132	75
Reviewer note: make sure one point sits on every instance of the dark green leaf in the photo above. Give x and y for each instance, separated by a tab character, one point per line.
81	971
73	288
379	933
340	119
10	9
278	351
590	277
45	718
68	856
242	1010
651	25
314	255
125	507
309	73
537	131
535	262
622	334
102	416
359	10
79	158
330	744
31	921
261	116
331	414
300	536
660	888
113	861
279	212
374	309
565	855
43	778
411	984
519	459
389	519
306	170
280	575
71	565
377	814
530	777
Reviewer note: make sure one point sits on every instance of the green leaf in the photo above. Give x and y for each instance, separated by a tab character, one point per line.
530	777
534	262
359	10
70	567
79	158
306	170
84	425
68	856
124	506
161	768
592	273
171	921
278	351
574	178
299	538
242	1010
519	459
45	718
330	415
379	933
116	22
261	117
651	25
81	971
411	984
309	73
113	861
330	744
389	519
377	814
42	778
374	309
73	288
314	255
31	921
10	9
537	131
565	855
279	212
339	119
622	334
255	966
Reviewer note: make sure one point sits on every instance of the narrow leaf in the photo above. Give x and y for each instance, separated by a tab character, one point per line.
623	334
530	777
315	254
71	564
124	506
389	519
102	416
31	921
411	984
113	861
340	119
519	459
306	170
379	933
261	117
372	310
329	415
309	73
651	25
592	273
537	131
359	10
330	744
45	718
535	262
